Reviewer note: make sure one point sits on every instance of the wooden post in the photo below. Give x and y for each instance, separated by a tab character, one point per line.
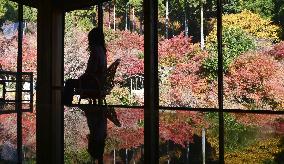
100	16
49	115
151	91
19	85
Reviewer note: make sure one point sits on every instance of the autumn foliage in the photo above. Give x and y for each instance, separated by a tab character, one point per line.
253	24
278	51
129	48
256	80
130	134
9	51
174	50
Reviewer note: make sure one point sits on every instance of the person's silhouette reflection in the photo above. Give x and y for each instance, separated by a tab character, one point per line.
93	80
97	123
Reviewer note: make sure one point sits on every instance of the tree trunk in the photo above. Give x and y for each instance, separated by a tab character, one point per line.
114	157
114	18
126	156
203	145
133	19
126	15
109	15
202	45
140	26
185	19
167	19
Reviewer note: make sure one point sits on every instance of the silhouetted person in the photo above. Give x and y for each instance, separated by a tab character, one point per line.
92	81
95	74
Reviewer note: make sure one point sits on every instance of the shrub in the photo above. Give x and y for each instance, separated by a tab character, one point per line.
278	51
174	50
78	156
253	24
235	42
75	53
9	52
187	85
121	96
128	47
263	7
8	11
257	81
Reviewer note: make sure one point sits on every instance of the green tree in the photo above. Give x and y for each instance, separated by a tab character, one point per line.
278	16
233	6
8	11
235	42
30	14
137	10
261	7
2	9
187	12
82	19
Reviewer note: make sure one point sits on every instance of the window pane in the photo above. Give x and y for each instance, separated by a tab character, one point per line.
253	138
29	137
8	35
185	65
123	143
8	138
252	55
9	52
126	45
185	135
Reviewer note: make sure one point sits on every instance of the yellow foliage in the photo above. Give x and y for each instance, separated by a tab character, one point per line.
252	23
257	153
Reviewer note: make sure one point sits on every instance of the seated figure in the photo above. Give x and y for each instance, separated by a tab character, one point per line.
92	85
95	75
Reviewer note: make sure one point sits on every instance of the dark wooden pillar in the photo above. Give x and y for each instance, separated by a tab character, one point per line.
50	143
151	83
220	83
100	16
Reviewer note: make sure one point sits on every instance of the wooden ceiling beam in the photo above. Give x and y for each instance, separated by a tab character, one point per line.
66	5
70	5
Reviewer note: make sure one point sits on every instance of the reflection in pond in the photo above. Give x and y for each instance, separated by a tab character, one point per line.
260	137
